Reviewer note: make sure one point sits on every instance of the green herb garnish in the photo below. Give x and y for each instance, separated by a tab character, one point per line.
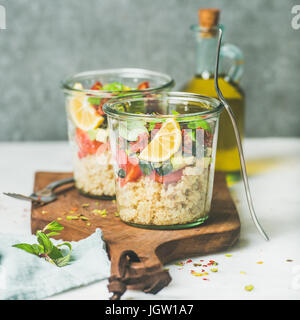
114	86
94	100
199	124
45	247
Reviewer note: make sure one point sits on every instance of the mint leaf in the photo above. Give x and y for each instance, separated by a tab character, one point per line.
61	262
44	241
38	249
26	247
114	86
175	112
51	234
94	100
54	226
199	124
46	249
55	254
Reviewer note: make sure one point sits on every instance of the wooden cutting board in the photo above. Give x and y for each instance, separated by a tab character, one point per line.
137	255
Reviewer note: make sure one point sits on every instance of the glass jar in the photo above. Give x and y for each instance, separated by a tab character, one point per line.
163	148
85	94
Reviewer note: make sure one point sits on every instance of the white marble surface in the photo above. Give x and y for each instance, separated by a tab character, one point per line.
274	165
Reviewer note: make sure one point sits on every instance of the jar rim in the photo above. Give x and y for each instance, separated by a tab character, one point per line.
109	109
130	72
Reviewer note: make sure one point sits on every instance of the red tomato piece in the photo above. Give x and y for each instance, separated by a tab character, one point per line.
144	85
140	144
168	178
133	172
85	145
122	158
97	86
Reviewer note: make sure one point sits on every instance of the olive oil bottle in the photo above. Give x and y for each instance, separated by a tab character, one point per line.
203	83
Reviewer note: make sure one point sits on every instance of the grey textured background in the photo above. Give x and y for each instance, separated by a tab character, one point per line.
47	40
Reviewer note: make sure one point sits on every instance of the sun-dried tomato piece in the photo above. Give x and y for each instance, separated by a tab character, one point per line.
97	86
144	85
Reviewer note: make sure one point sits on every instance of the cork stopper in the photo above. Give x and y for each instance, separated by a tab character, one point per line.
208	17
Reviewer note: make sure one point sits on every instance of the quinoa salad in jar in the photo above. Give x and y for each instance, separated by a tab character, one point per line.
163	149
86	94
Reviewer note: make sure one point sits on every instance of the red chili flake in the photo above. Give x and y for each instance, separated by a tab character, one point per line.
201	260
75	209
212	261
189	261
202	270
204	265
205	279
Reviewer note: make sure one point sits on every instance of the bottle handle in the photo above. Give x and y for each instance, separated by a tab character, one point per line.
233	53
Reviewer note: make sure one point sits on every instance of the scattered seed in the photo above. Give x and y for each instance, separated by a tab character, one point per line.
84	218
197	264
85	205
44	211
178	264
214	270
259	262
197	274
71	211
242	272
228	255
58	219
72	217
250	287
88	224
117	214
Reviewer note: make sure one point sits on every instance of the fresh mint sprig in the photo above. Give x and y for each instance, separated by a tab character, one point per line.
45	247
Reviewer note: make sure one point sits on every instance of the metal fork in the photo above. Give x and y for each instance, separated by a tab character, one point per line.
43	196
239	142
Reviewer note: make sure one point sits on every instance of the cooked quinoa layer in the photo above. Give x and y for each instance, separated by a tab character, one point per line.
149	202
94	174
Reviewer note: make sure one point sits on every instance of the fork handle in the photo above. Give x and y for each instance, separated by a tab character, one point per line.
53	185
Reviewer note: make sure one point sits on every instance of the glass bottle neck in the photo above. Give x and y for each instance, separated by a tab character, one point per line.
206	55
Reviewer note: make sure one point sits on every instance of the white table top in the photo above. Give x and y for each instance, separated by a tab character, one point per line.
274	167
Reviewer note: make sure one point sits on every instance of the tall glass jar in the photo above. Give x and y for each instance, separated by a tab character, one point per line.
85	94
164	178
